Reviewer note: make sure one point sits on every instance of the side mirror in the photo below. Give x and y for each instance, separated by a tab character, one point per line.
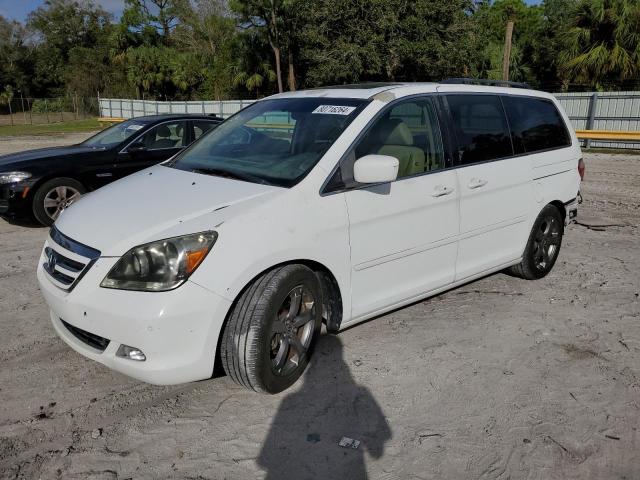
376	169
137	148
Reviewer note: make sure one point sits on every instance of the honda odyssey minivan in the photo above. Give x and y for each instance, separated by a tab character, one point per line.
332	205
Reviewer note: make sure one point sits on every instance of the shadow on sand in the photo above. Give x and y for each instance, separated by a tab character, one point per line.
303	440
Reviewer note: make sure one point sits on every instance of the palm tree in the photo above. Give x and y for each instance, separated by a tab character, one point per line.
603	42
252	80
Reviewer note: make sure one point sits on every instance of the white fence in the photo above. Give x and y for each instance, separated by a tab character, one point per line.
587	111
127	108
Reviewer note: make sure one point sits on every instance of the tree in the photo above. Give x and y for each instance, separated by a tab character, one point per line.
490	19
5	99
382	40
272	16
251	68
15	68
602	44
161	15
547	44
61	26
209	34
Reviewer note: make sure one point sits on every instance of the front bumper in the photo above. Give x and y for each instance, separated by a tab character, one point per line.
177	330
15	200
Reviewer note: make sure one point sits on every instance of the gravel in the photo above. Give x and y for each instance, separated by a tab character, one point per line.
500	378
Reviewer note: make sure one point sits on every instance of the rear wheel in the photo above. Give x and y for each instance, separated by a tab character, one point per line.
272	329
543	247
53	196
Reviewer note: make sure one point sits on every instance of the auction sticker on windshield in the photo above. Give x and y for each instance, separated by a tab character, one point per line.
334	109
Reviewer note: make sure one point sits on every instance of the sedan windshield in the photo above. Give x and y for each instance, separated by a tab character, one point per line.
112	136
274	142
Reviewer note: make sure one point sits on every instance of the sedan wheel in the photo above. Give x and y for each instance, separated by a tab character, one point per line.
53	196
59	198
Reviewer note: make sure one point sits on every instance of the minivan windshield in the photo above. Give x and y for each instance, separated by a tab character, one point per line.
275	142
116	134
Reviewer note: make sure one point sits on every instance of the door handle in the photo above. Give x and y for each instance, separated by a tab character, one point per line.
441	191
477	183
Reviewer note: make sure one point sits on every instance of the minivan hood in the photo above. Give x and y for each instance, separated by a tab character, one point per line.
155	203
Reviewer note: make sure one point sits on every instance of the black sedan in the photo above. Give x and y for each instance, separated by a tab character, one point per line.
41	183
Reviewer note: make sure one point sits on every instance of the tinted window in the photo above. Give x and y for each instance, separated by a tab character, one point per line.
535	124
165	135
407	131
202	126
481	127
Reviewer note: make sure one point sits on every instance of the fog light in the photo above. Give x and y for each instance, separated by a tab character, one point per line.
132	353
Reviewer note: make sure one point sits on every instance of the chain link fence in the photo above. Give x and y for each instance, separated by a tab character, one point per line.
39	111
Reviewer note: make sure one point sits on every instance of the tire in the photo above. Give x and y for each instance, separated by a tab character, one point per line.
53	196
265	345
543	246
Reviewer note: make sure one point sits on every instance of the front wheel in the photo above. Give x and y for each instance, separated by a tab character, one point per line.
272	329
54	196
543	247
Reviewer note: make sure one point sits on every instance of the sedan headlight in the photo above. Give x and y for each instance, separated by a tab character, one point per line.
161	265
13	177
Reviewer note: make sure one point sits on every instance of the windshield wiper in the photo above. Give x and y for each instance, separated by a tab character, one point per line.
220	172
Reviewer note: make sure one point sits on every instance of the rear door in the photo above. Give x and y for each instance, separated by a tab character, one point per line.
495	185
403	234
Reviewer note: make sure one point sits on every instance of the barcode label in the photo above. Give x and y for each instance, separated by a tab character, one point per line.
334	109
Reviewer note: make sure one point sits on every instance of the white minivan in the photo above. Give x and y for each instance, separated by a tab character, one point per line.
332	205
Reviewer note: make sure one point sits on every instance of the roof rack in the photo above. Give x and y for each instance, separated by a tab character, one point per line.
484	81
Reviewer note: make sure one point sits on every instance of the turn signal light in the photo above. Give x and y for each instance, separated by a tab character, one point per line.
132	353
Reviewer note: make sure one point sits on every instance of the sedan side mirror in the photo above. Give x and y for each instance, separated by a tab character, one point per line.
137	148
376	169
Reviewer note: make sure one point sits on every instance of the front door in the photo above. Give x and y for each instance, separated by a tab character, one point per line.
403	234
154	146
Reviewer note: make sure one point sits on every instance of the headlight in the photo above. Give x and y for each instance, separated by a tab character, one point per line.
13	177
161	265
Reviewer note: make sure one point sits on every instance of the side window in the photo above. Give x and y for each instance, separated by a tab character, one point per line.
407	131
200	127
165	135
535	124
481	127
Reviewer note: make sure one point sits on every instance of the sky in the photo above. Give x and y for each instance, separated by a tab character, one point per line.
19	9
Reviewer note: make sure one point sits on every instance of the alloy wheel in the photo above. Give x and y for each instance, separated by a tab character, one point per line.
59	198
546	242
292	330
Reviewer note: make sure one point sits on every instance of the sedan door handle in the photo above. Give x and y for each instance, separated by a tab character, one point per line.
477	183
441	191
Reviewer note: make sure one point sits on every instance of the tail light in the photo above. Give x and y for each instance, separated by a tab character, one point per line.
581	168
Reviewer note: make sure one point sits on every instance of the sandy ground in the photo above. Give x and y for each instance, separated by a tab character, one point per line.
501	378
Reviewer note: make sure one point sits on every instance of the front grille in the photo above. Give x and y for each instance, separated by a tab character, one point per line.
95	341
66	260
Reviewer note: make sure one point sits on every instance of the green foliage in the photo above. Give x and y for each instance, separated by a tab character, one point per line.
602	43
185	49
60	104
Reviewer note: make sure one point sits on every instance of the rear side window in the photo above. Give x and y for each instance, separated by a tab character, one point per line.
535	124
481	127
202	126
